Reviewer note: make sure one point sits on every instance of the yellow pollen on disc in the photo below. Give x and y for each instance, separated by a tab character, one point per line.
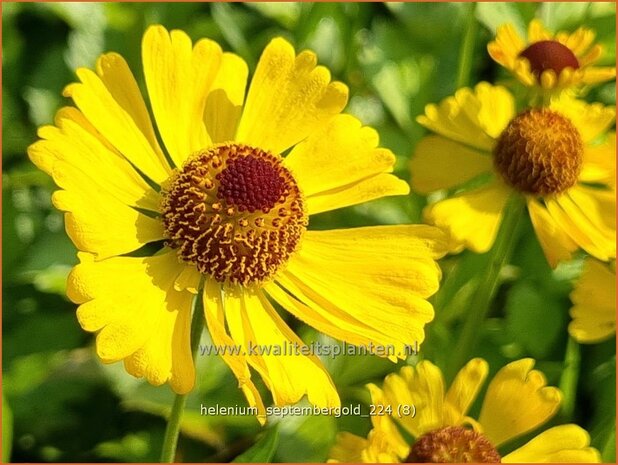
540	152
453	444
235	212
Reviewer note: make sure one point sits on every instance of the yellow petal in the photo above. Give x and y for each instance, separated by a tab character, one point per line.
578	213
537	32
277	353
178	77
471	218
166	355
375	187
507	46
341	153
464	389
215	320
189	279
472	117
599	164
560	444
555	242
112	102
598	74
355	272
131	302
423	387
347	448
225	99
440	163
517	401
72	155
383	424
590	119
98	223
594	303
289	98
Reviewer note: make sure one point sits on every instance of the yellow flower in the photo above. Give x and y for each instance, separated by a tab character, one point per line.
551	61
517	402
558	158
224	215
594	303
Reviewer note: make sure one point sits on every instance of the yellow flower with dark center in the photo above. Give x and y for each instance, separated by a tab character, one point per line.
225	216
559	158
550	61
594	303
517	402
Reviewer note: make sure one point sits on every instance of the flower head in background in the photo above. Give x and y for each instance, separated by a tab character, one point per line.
561	159
594	303
517	402
550	61
217	211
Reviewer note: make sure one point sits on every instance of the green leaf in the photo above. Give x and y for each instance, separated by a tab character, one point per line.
7	431
306	438
608	454
535	320
263	450
494	14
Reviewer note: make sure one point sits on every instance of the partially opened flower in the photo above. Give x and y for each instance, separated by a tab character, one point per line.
594	303
559	158
551	61
517	402
218	211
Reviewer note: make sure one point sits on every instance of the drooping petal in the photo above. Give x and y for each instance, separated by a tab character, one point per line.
225	99
112	102
73	155
215	319
473	117
594	303
579	214
555	242
471	218
423	387
560	444
517	401
289	99
151	332
277	353
599	164
463	390
338	160
179	77
590	119
356	275
439	163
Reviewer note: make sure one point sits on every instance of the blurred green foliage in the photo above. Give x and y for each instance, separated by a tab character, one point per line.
61	404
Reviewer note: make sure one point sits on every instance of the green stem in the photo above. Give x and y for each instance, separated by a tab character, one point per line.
569	379
488	283
170	440
467	47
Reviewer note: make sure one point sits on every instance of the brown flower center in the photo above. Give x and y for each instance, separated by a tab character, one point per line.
235	212
540	152
549	54
453	444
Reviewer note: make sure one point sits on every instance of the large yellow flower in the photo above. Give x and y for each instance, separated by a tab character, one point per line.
558	158
551	61
517	402
219	212
594	303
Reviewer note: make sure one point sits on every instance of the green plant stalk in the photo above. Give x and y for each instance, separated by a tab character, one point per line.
170	440
569	379
480	303
467	47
